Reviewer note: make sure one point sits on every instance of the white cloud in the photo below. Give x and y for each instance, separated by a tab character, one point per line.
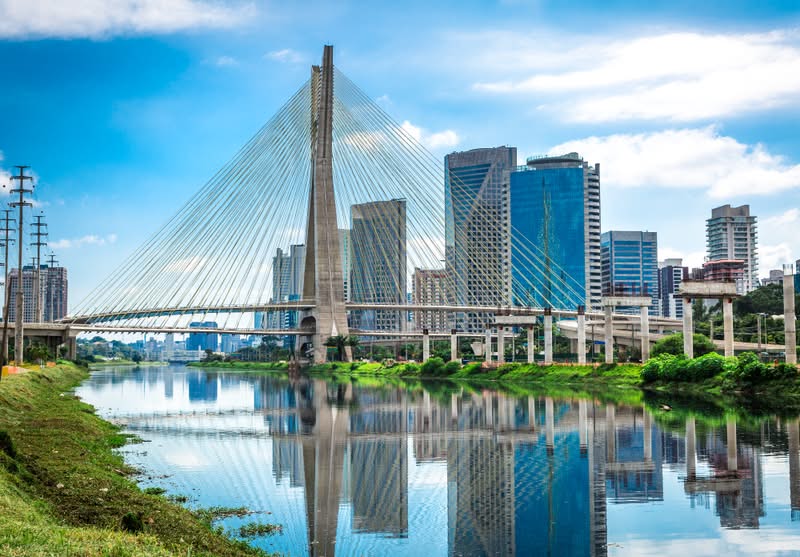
224	61
286	55
21	19
691	259
88	240
673	76
445	139
778	244
186	265
687	158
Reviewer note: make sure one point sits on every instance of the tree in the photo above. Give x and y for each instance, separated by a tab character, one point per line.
340	342
38	351
673	344
136	357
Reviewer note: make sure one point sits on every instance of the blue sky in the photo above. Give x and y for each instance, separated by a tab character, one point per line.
124	109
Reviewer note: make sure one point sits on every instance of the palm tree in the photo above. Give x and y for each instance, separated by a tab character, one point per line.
339	342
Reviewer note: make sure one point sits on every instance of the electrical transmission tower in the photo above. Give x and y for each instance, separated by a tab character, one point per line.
20	190
38	234
7	240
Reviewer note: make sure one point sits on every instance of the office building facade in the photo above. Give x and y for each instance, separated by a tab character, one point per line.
430	287
378	263
731	234
477	234
555	233
53	293
671	273
203	341
630	265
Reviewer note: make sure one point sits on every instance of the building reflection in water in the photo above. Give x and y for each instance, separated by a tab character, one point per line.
525	475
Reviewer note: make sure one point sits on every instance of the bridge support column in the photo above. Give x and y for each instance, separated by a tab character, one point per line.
688	329
581	335
645	333
727	325
72	348
487	354
501	346
548	336
608	329
582	427
789	326
426	345
531	347
453	346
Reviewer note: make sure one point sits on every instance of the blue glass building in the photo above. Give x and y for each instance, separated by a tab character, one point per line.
630	265
555	233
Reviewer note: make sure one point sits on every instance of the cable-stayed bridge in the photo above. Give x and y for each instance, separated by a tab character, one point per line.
314	229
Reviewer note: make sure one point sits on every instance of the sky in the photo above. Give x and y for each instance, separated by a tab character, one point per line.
123	109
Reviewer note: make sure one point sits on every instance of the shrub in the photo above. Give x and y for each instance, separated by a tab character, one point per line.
434	366
750	369
451	367
472	369
7	445
505	368
785	371
673	344
410	368
706	366
132	523
651	370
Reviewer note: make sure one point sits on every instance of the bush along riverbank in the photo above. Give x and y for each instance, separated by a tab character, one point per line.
436	368
236	364
64	491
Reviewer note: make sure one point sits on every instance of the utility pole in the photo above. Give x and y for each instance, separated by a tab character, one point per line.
51	295
37	269
19	345
7	239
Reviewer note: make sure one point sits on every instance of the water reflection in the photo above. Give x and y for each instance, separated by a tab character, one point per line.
443	470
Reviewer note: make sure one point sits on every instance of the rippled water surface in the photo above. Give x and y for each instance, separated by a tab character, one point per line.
373	468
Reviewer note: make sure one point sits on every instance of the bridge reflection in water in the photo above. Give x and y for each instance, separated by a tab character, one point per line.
531	475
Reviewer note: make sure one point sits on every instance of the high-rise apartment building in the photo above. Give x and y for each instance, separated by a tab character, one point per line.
555	233
731	234
203	341
53	293
477	235
630	265
430	287
671	273
378	263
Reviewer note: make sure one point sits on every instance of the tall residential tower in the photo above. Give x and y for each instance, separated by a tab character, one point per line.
731	234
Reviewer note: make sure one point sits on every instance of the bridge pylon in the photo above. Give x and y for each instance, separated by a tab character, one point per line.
323	276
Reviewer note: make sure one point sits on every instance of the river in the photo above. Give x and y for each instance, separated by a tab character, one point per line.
408	468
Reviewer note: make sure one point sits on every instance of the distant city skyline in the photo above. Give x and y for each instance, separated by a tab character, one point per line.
123	118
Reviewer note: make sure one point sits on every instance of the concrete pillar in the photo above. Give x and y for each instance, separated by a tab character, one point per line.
582	429
549	425
648	436
789	315
548	336
454	407
608	327
581	335
488	350
426	345
72	348
531	345
733	458
453	346
645	325
691	449
501	346
727	325
688	329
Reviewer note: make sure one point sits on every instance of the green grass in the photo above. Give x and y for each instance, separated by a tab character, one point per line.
236	365
64	491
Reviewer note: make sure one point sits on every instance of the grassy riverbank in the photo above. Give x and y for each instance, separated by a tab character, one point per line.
109	363
257	366
63	491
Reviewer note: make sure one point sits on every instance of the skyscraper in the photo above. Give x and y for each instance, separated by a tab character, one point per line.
28	302
344	243
630	265
731	233
477	236
430	287
555	233
671	273
54	291
287	284
378	262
